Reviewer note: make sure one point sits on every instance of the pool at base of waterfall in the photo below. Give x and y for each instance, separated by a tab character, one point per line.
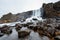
33	19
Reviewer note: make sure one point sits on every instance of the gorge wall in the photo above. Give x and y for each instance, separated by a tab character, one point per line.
51	10
15	17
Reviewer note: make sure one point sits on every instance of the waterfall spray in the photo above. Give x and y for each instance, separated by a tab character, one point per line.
35	14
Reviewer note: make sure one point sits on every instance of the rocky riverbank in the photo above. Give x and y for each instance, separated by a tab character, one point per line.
47	27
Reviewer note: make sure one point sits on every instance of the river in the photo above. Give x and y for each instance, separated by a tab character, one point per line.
14	36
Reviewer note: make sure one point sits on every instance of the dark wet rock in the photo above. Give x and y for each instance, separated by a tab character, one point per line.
30	27
35	29
18	26
56	6
34	19
58	27
56	39
30	23
22	34
6	30
25	25
40	31
1	34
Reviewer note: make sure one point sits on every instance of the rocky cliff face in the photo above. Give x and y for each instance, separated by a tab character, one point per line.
51	10
24	15
15	17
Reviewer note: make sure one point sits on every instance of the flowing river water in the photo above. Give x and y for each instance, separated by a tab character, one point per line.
14	36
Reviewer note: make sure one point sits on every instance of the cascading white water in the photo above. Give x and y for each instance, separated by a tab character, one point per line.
36	13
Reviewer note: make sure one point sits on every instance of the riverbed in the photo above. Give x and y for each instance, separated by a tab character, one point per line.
14	36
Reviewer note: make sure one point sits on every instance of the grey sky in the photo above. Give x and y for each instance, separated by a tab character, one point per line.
17	6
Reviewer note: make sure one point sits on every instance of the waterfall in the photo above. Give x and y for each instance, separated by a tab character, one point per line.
37	13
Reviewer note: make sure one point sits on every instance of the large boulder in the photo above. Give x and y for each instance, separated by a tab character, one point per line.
6	30
18	27
22	34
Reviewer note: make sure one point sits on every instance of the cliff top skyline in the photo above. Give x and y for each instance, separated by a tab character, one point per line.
18	6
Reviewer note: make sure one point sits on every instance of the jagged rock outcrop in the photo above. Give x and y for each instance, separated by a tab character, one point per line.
6	18
15	17
51	10
24	15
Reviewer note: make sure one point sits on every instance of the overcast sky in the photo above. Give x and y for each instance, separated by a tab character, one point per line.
17	6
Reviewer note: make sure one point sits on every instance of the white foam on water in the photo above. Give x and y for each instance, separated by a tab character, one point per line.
36	14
